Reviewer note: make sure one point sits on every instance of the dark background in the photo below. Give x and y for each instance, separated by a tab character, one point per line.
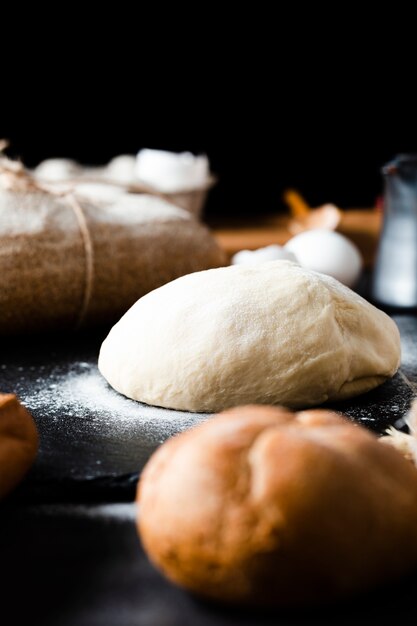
255	157
275	103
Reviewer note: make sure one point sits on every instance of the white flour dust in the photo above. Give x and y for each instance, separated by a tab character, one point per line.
82	392
115	512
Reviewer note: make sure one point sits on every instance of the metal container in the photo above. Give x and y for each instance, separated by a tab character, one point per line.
395	276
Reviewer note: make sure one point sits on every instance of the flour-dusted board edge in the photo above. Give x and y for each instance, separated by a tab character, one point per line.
95	442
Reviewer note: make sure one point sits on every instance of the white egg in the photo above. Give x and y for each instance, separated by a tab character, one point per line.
329	253
269	253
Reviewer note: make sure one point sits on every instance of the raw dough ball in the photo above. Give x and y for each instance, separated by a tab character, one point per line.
273	333
52	170
269	253
262	506
122	168
327	252
18	442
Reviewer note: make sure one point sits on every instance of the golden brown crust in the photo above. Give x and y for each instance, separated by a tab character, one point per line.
263	506
18	442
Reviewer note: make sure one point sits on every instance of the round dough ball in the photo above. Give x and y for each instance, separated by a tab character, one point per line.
122	168
53	170
262	506
18	442
273	333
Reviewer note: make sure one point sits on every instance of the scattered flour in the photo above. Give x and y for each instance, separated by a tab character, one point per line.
81	392
117	512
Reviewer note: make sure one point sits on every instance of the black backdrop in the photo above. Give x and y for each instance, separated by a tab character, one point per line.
325	135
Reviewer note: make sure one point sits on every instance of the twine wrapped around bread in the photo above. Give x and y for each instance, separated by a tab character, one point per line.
67	261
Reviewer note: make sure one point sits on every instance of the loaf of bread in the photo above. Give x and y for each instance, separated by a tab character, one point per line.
263	506
18	442
67	260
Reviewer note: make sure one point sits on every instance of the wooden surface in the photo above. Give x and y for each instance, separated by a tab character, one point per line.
362	226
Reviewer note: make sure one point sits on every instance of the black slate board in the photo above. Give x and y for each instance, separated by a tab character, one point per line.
90	451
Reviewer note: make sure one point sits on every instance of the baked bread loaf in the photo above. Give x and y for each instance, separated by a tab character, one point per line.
263	506
18	442
67	260
273	333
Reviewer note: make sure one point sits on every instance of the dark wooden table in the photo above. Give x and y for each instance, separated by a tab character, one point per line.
69	551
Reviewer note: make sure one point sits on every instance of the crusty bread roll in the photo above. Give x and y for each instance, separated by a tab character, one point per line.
263	506
18	442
